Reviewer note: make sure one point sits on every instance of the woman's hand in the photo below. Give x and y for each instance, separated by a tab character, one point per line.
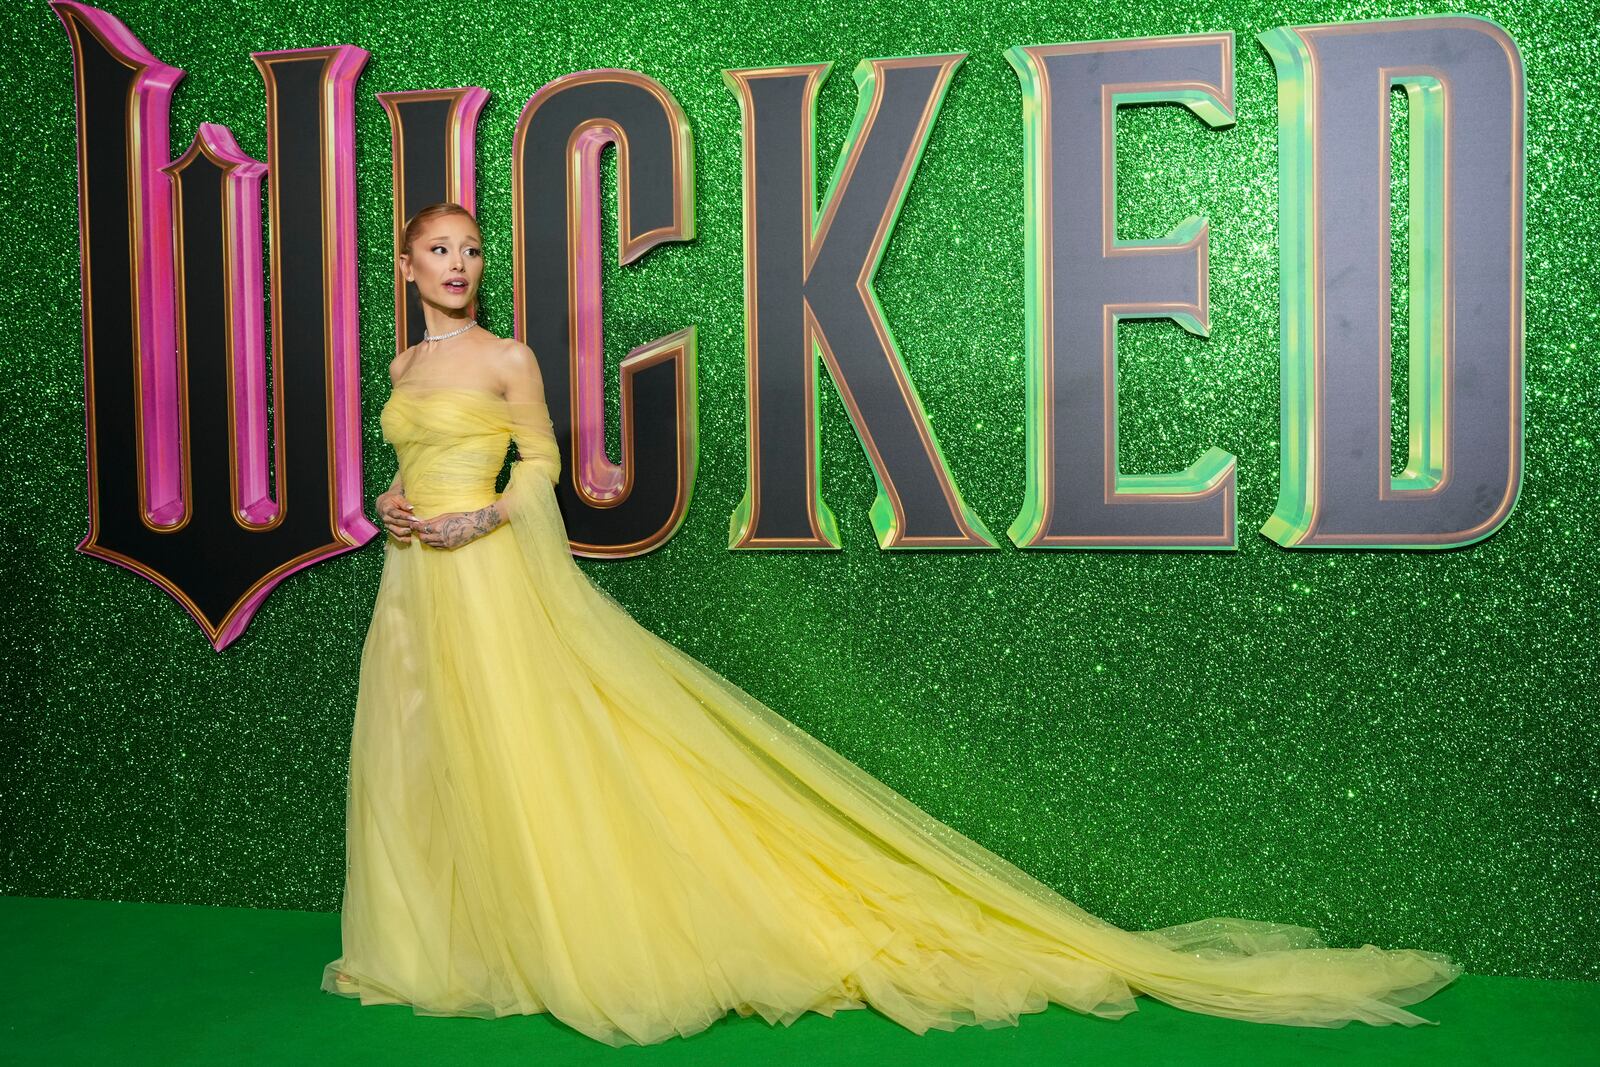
395	511
456	528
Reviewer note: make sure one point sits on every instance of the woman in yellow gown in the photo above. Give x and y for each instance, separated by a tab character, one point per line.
552	809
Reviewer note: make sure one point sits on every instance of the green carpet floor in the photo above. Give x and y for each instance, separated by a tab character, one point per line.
101	982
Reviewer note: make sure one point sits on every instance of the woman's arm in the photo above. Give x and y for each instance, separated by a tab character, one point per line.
459	527
524	395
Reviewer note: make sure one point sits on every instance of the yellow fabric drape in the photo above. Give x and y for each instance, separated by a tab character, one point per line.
553	809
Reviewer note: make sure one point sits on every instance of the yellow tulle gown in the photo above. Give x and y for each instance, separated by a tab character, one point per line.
553	810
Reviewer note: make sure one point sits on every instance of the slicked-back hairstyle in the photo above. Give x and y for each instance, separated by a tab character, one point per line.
426	215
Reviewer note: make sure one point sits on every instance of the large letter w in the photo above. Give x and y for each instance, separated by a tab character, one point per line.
181	489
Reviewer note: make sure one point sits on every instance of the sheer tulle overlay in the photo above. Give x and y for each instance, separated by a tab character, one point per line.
552	809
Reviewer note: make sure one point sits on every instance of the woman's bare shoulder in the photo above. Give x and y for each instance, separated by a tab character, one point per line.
397	367
514	361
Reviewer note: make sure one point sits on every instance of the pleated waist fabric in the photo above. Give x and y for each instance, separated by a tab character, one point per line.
454	441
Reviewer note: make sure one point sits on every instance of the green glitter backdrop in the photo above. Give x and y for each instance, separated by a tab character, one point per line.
1394	747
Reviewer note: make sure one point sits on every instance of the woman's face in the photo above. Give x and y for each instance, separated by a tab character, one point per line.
446	262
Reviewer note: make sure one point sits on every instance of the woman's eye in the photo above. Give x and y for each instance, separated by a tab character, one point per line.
439	248
474	251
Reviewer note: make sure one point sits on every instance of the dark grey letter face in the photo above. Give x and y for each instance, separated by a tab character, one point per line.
808	293
1464	85
1082	281
610	509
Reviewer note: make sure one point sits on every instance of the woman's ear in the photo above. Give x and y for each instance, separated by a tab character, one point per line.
405	266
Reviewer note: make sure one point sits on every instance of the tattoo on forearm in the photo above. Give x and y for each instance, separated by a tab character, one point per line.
457	530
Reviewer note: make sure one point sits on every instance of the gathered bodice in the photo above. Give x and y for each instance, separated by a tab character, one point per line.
451	442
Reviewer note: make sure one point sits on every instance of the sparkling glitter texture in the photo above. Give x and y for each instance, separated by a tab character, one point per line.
1395	747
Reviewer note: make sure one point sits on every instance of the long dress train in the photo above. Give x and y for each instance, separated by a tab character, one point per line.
552	809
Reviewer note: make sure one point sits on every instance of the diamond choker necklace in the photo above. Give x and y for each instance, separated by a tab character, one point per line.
446	336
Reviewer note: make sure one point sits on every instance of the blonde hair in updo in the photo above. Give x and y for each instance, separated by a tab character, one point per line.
413	228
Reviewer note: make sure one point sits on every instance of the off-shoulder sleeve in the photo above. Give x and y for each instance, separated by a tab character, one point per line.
530	498
534	435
